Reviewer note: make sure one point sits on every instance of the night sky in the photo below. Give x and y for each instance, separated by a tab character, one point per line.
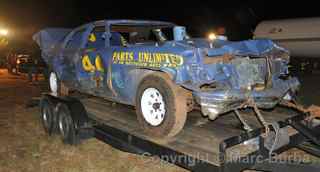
25	17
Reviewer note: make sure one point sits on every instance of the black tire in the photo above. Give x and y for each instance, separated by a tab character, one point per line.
66	125
175	106
47	115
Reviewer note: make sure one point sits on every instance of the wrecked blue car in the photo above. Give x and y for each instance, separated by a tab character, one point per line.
158	68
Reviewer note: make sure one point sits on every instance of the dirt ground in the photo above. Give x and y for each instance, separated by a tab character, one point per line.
25	146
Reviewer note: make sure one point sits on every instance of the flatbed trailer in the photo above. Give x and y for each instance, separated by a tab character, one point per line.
203	145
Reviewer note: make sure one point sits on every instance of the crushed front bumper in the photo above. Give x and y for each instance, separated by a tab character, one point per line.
221	101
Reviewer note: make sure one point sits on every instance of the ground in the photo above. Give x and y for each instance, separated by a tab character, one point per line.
25	146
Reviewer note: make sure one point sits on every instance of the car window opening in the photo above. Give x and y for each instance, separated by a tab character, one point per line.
121	35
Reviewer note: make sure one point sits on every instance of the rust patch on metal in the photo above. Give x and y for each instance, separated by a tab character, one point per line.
314	111
295	106
218	59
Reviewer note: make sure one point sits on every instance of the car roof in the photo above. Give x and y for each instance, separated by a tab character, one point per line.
125	22
134	22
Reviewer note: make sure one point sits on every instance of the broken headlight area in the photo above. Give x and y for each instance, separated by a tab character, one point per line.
249	72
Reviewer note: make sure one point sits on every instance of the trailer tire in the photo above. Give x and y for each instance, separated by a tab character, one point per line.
47	115
168	110
66	125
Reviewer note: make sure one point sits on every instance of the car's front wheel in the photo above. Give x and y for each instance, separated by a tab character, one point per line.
161	106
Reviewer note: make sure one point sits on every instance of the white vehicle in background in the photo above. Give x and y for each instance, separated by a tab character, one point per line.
300	36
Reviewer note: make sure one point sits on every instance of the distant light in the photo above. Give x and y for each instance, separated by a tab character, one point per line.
4	32
212	36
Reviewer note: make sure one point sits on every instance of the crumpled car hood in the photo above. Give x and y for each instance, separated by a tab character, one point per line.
247	48
261	47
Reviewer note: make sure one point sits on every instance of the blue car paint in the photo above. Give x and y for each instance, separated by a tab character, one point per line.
120	81
244	48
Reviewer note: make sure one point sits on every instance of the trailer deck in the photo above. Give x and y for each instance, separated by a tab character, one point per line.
203	145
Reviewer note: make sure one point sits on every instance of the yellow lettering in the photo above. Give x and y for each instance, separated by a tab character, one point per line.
92	37
131	56
148	59
87	65
166	56
158	58
115	56
179	60
122	56
140	57
145	57
99	64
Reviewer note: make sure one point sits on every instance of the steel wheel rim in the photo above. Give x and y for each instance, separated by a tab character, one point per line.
45	117
153	106
63	126
53	82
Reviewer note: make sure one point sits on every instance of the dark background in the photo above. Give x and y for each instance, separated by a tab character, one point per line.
25	17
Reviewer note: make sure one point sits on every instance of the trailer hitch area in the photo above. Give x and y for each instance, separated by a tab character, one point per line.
275	139
313	113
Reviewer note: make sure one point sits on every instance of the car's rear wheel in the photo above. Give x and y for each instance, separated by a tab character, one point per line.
56	86
161	106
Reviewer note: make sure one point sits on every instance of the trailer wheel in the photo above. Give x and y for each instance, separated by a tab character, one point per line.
47	115
66	125
161	106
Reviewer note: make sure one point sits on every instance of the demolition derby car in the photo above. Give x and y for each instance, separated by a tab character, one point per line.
158	68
